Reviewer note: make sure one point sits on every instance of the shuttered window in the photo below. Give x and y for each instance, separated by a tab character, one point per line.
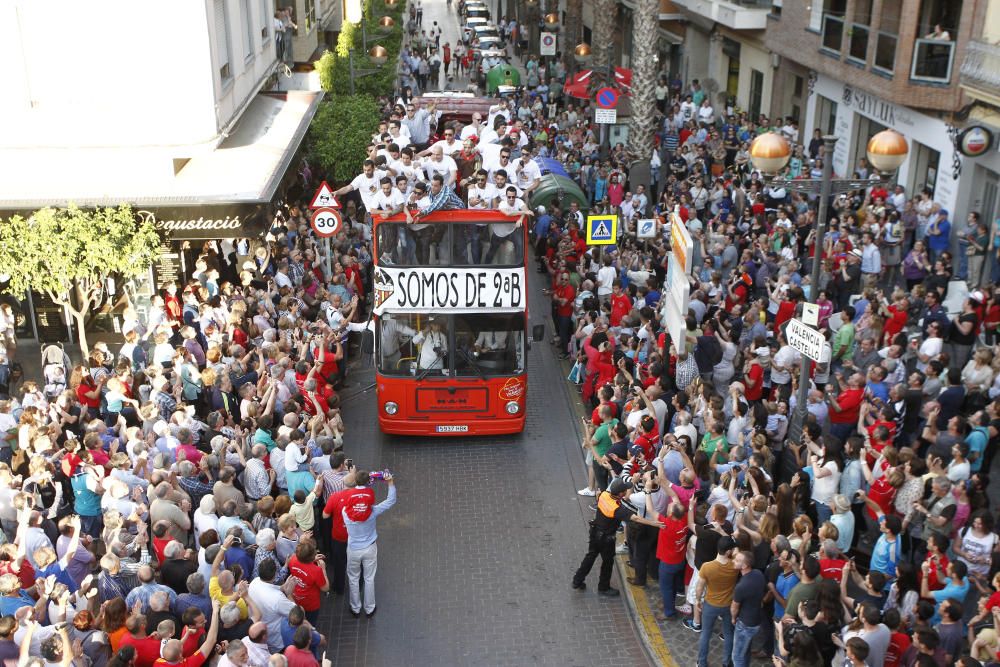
222	40
246	17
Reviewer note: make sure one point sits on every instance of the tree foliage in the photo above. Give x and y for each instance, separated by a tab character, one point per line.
68	253
340	132
334	66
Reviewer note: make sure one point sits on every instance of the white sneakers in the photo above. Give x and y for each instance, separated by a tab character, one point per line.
586	491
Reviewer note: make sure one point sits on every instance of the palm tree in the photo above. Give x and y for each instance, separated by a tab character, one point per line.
605	12
571	33
643	120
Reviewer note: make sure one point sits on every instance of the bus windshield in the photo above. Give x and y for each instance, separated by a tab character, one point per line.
460	344
449	244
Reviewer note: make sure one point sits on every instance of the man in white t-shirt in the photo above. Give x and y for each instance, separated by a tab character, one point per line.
366	183
389	201
473	129
502	232
439	163
502	161
527	175
449	146
480	195
605	279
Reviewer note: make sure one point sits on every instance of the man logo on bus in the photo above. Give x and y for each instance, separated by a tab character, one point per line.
512	390
384	288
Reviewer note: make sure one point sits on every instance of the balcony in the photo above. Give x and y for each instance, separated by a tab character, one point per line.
980	71
741	15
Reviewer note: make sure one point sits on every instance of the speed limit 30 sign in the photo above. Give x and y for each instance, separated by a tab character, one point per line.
326	222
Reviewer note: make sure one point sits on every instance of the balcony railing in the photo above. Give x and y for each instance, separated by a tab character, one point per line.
932	60
981	67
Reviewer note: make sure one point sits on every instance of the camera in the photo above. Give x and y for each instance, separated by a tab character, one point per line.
438	350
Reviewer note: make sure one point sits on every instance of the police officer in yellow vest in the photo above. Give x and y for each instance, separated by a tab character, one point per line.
610	513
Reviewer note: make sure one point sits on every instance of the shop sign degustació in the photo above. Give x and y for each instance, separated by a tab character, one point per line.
210	222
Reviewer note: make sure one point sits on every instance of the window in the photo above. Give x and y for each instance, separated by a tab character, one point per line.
932	60
859	31
864	129
222	41
925	167
799	83
311	15
265	21
826	115
442	244
833	24
756	92
248	24
888	36
463	345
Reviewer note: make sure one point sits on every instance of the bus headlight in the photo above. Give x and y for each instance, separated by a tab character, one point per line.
513	408
391	408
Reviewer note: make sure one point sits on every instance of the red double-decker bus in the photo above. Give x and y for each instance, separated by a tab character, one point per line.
450	323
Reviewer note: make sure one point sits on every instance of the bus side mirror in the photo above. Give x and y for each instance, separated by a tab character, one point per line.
368	342
538	333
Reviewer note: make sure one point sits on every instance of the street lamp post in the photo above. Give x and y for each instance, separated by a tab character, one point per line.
770	153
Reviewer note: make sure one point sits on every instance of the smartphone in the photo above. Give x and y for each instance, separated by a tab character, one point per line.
350	463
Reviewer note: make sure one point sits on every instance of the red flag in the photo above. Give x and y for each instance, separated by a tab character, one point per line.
577	85
623	78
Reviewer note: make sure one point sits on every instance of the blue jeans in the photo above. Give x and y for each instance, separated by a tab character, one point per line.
708	615
743	636
823	513
671	581
841	431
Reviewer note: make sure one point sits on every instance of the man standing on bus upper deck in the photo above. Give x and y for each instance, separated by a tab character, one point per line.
527	175
501	232
433	342
439	163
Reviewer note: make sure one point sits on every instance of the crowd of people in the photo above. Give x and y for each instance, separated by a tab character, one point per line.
188	496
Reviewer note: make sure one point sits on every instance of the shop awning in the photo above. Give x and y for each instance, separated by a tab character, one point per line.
246	168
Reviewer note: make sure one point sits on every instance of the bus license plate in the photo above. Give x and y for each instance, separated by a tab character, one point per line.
453	429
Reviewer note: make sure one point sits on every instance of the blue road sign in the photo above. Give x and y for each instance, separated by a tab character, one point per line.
606	98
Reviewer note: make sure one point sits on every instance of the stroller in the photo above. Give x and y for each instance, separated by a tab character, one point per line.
56	369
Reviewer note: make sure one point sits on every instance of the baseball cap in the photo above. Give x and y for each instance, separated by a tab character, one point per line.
856	252
635	450
619	486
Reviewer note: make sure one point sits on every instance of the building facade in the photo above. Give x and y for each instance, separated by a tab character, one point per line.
177	121
856	67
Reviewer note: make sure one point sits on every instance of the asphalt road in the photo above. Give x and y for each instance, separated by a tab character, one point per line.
476	557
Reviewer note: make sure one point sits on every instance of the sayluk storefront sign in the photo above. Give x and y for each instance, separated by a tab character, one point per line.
207	222
426	289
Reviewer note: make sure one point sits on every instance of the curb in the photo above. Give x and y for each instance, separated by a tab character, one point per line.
637	606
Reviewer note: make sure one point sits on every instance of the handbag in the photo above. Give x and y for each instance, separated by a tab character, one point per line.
576	373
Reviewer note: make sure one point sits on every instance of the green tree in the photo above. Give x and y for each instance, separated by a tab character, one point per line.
340	132
68	253
334	66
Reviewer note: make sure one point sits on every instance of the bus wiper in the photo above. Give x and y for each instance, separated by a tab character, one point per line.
471	362
426	371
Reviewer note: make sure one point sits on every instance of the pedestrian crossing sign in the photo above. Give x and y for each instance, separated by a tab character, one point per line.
602	229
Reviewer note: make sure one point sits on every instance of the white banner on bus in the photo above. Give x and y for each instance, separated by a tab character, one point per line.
448	290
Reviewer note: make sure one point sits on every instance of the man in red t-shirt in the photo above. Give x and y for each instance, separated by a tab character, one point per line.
754	377
337	502
562	297
147	648
671	548
310	570
831	561
845	408
621	304
172	651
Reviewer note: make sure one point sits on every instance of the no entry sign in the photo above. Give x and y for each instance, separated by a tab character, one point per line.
606	98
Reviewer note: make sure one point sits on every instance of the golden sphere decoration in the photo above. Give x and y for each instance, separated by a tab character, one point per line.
378	54
552	19
887	150
385	23
770	152
391	4
582	50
